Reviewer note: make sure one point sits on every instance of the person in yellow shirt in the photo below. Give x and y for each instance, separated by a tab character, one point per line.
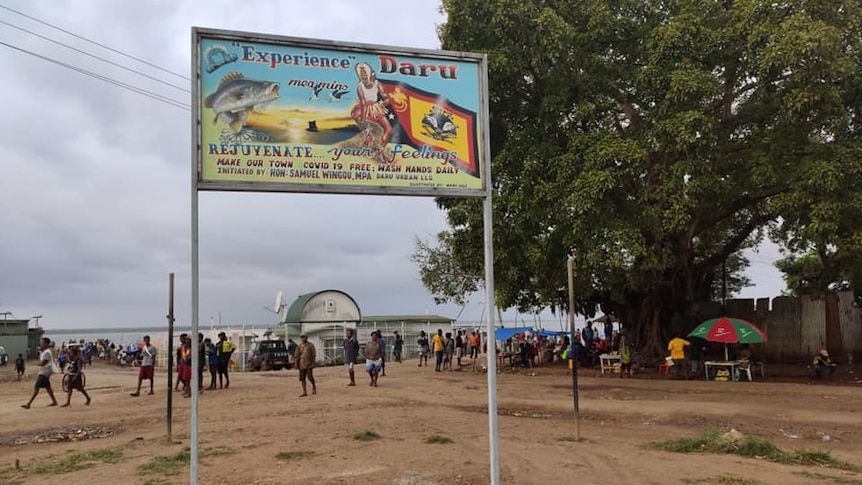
224	349
677	347
439	344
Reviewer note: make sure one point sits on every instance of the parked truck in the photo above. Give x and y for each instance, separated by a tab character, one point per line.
269	355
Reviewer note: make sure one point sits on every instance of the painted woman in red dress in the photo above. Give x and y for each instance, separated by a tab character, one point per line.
371	106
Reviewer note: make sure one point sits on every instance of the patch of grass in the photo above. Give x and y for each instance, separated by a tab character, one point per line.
753	447
569	438
217	451
366	436
167	464
156	481
74	461
724	480
171	464
293	455
438	439
824	477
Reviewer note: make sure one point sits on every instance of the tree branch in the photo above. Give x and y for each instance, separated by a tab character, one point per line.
732	244
737	205
631	113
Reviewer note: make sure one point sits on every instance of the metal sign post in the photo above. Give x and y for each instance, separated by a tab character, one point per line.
398	121
491	341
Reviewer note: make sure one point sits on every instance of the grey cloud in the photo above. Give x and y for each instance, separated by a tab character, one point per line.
95	181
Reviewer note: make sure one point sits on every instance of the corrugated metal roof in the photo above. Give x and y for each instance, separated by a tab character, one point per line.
294	312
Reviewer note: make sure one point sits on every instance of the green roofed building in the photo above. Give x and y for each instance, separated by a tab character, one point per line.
325	315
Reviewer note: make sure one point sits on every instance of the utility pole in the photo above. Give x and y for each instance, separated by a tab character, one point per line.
570	266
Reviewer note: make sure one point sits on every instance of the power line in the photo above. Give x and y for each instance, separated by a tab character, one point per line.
103	46
130	87
129	69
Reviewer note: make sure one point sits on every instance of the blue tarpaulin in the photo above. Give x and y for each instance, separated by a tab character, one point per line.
551	333
507	333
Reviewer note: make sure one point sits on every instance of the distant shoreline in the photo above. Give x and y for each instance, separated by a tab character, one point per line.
177	328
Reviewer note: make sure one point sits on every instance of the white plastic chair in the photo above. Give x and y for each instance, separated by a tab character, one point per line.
745	368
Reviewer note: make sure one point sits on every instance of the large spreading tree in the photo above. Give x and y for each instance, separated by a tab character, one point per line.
652	141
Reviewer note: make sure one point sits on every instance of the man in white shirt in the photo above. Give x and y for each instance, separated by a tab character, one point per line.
147	369
46	368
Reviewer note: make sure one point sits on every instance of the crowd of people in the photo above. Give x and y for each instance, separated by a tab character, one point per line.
214	357
446	350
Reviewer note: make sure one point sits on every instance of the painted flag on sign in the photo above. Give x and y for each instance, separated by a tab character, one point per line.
420	118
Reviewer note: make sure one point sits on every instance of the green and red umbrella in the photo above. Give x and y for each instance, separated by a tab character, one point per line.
729	331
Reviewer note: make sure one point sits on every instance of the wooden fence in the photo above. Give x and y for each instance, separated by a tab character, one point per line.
797	328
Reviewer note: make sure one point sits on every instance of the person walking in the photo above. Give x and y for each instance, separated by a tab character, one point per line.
625	355
439	348
179	361
147	370
424	348
46	368
398	347
460	342
212	361
186	365
374	357
474	345
306	359
224	349
76	377
19	366
351	350
676	347
449	349
382	341
202	362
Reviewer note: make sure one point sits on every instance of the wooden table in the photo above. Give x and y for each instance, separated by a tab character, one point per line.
732	365
607	361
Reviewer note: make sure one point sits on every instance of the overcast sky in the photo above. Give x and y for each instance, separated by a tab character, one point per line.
95	179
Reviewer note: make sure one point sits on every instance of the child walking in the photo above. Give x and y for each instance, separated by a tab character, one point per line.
19	366
76	377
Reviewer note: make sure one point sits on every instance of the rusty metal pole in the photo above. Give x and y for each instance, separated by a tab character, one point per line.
170	353
571	271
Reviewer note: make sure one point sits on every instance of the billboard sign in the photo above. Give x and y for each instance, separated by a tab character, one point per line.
301	115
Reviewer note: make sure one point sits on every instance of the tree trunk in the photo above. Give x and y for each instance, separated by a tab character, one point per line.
649	331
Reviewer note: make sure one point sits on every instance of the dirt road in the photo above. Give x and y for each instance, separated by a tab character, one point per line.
259	431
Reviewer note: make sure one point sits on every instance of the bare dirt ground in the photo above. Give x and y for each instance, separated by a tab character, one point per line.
242	429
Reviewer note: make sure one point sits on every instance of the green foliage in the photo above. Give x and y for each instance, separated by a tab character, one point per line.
167	464
172	464
812	273
569	438
366	436
440	272
293	455
156	481
653	140
57	465
753	447
74	461
438	439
